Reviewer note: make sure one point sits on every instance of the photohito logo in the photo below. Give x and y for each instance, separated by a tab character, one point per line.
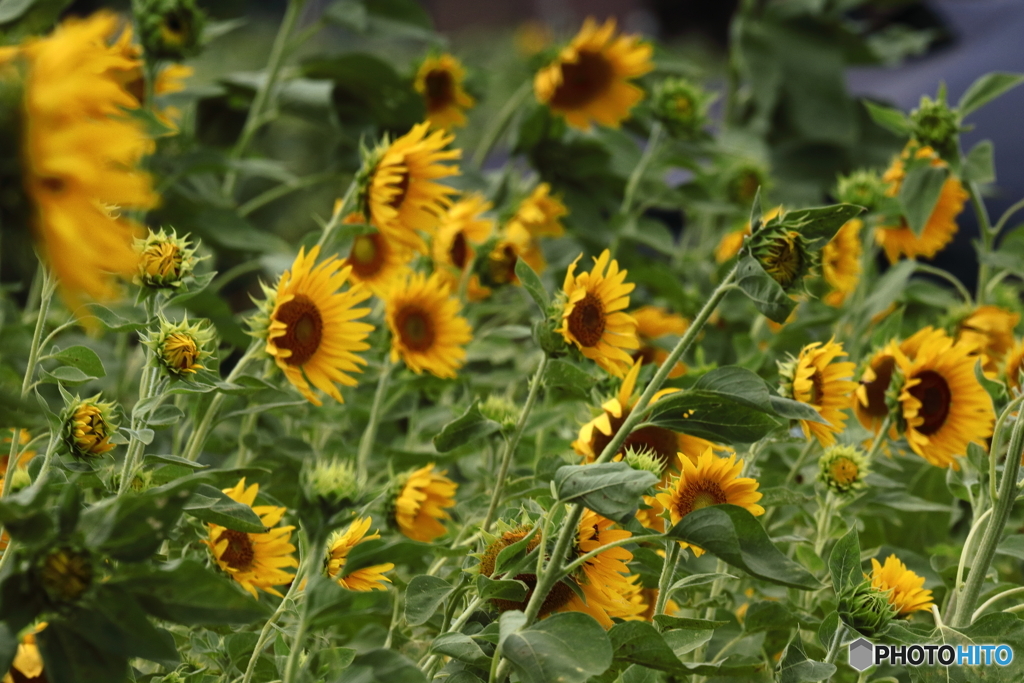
864	654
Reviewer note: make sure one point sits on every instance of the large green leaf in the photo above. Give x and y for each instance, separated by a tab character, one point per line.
795	667
83	358
569	648
986	89
891	119
919	194
115	623
821	223
212	505
382	666
739	384
533	286
734	535
712	415
423	596
979	165
844	562
469	426
612	489
460	646
766	294
638	642
68	658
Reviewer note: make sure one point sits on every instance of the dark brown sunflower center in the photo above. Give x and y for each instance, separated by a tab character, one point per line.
817	388
876	388
303	329
440	90
935	397
646	354
784	260
51	184
560	594
459	251
367	255
415	327
583	81
698	495
403	189
587	320
239	553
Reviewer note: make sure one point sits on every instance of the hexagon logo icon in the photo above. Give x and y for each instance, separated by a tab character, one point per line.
862	654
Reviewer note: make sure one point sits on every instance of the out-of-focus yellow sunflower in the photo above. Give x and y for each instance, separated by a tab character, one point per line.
255	560
989	329
908	594
653	323
1014	366
427	331
452	249
541	214
589	81
170	78
900	240
399	189
647	599
5	451
710	481
825	385
537	216
313	332
594	317
943	405
27	666
840	262
422	501
80	157
338	548
439	79
376	261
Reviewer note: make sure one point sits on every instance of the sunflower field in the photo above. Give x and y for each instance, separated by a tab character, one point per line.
567	355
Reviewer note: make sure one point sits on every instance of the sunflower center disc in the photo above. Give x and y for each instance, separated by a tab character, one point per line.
403	189
817	388
459	250
646	354
935	397
583	81
586	322
876	389
365	256
700	494
304	329
415	328
239	553
440	90
54	185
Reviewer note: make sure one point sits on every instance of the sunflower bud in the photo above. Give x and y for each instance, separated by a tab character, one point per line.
863	188
681	106
742	182
784	254
171	29
546	336
332	482
644	459
88	427
20	478
66	574
501	410
935	125
866	609
180	347
165	260
843	469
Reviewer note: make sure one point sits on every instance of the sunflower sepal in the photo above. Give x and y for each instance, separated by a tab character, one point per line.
866	609
167	262
88	428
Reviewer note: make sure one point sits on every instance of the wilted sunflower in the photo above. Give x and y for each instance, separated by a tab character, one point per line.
989	329
840	262
27	666
422	501
589	81
452	248
338	548
907	593
593	316
653	323
80	157
398	188
311	325
439	79
815	379
1014	366
710	481
943	405
941	226
427	331
254	560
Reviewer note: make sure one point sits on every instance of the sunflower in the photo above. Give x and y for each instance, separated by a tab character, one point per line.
943	405
169	79
589	80
825	385
254	560
376	260
27	666
80	157
452	249
427	331
646	599
439	79
941	226
710	481
312	327
653	323
732	242
540	214
593	317
990	330
421	502
907	594
399	192
341	543
1014	366
5	453
514	243
840	262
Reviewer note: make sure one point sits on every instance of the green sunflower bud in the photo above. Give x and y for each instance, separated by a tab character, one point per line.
171	29
935	125
550	341
644	459
742	182
864	188
843	469
784	254
180	348
333	483
501	410
88	427
681	106
866	609
165	260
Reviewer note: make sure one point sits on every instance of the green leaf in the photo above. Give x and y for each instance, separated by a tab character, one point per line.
697	580
174	460
795	410
83	358
112	321
738	384
67	375
459	646
986	89
569	647
827	630
367	89
979	166
505	589
888	288
638	642
711	415
767	295
768	615
469	426
565	376
211	505
796	668
423	596
891	119
667	623
511	555
68	658
612	489
115	623
823	222
382	666
919	194
734	535
530	281
844	562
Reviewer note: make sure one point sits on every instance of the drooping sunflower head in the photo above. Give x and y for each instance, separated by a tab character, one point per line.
88	426
784	254
422	500
654	323
171	29
843	469
681	106
180	348
254	560
338	547
989	329
1015	366
165	260
311	325
905	588
840	262
593	317
541	213
742	181
712	480
817	379
943	405
398	188
589	82
440	81
732	242
560	594
427	332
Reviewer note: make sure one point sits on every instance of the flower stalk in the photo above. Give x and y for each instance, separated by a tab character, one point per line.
197	439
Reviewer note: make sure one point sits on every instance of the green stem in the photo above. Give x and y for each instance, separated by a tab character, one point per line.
948	277
300	631
987	239
996	598
1006	216
645	159
337	216
668	572
513	442
880	437
822	523
283	190
499	123
837	640
197	439
965	553
993	451
370	435
261	642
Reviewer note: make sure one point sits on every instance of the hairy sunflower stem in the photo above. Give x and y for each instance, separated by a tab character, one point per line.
261	642
499	123
988	237
370	435
880	437
837	640
993	451
948	277
653	140
310	550
197	439
147	381
338	214
668	572
996	598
